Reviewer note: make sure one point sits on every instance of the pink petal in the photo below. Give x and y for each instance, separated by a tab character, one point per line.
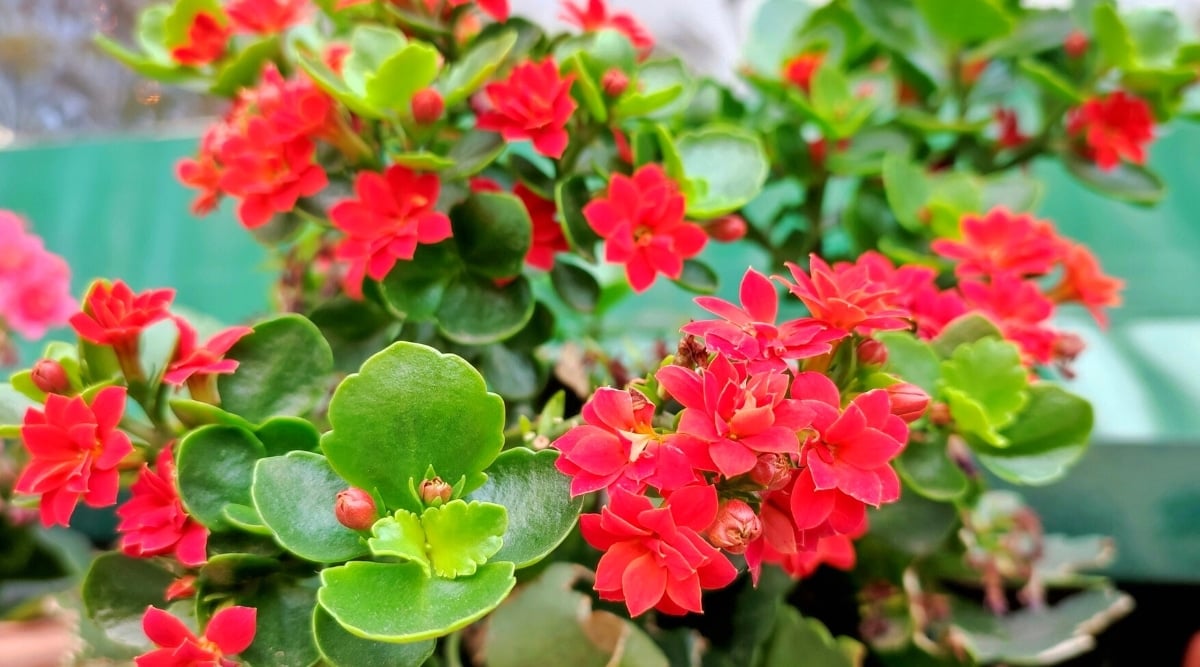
758	297
164	629
644	583
232	629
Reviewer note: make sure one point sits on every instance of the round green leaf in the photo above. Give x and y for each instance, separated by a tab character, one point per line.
476	311
245	517
728	165
985	385
215	467
962	21
341	649
295	496
493	233
413	290
1047	438
512	372
576	285
281	435
541	512
415	607
411	407
1128	182
926	469
117	590
473	153
392	85
194	414
698	277
468	74
571	196
461	536
284	613
282	370
911	359
961	331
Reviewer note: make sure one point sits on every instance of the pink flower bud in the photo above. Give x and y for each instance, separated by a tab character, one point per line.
435	489
908	401
727	229
355	509
614	82
1076	44
735	527
181	588
50	377
772	472
427	106
872	353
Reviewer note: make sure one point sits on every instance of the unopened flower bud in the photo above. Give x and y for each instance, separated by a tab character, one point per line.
727	229
355	509
772	472
181	588
434	490
50	377
908	401
614	82
735	527
1076	44
427	106
939	414
872	353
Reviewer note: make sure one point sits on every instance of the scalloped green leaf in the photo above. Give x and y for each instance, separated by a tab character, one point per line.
116	591
962	331
985	385
295	496
283	369
416	607
392	85
215	467
730	165
541	512
462	536
911	359
341	649
409	408
466	75
1047	438
400	536
493	233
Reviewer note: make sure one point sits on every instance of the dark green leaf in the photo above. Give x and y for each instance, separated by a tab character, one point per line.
281	435
796	635
698	277
476	311
117	591
281	629
926	468
283	369
576	285
215	466
571	196
1046	439
493	233
1127	182
295	496
473	153
341	649
413	290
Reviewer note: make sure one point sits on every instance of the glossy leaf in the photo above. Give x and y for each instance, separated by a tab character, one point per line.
477	311
473	153
1047	438
575	285
966	21
1050	80
116	592
295	495
796	635
194	414
409	408
907	188
926	468
1128	182
392	85
698	277
571	196
416	607
461	536
912	359
541	512
400	536
1112	37
283	370
465	76
341	649
728	167
283	612
962	331
281	435
985	385
493	233
413	290
215	467
243	69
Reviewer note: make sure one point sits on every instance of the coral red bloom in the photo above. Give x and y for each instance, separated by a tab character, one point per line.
596	16
266	17
230	631
293	108
617	447
931	307
533	103
1115	127
268	177
655	557
206	39
74	447
836	551
749	334
641	220
847	297
208	359
548	237
114	315
153	521
731	416
182	588
1002	241
799	71
1086	283
1019	309
393	213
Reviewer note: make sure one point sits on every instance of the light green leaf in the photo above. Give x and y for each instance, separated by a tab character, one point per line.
1112	36
370	47
295	495
243	69
465	76
911	359
462	536
926	468
985	385
796	635
1050	80
283	369
728	163
966	21
392	85
962	331
1047	438
400	536
215	467
907	188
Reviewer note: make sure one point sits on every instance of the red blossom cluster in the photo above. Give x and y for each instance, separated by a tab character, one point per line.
229	631
35	284
596	16
1112	128
766	457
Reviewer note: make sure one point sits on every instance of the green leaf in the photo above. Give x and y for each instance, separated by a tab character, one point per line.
575	285
284	610
867	151
476	311
796	635
541	512
229	571
151	69
513	373
400	536
283	369
963	331
244	517
295	496
354	329
1155	35
243	68
392	85
415	607
926	468
413	290
966	21
1050	80
1047	438
462	536
473	153
13	405
571	196
194	414
341	649
1036	32
465	76
422	161
985	385
332	83
907	188
281	435
698	277
493	232
913	360
409	408
835	104
116	592
585	89
1112	36
179	20
215	467
1128	182
371	46
730	166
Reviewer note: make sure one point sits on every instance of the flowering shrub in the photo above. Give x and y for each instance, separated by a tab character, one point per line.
460	200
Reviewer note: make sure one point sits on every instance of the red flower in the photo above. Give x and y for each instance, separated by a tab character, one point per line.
114	315
293	108
641	219
731	416
1086	283
800	70
836	551
267	176
1002	241
393	213
497	9
533	103
193	359
153	521
182	588
847	297
618	448
1115	127
1009	135
74	448
1019	309
596	16
749	334
38	296
931	307
205	43
229	631
548	237
266	17
655	557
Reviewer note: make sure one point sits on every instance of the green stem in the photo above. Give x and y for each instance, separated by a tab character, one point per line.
452	650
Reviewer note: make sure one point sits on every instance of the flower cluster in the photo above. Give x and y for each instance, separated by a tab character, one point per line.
35	285
1112	128
767	457
229	631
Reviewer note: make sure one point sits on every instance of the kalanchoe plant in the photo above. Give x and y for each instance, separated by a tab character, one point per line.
466	207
